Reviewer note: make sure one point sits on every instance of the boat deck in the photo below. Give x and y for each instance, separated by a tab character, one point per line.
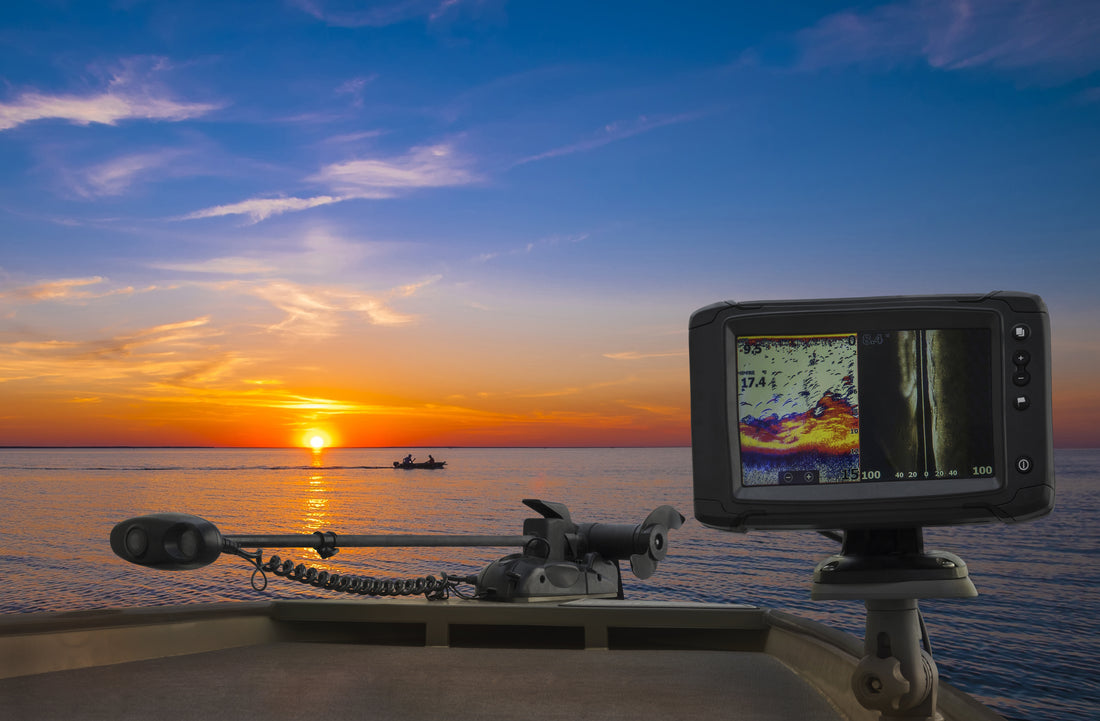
429	660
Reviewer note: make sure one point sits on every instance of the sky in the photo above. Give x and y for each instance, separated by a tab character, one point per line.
481	222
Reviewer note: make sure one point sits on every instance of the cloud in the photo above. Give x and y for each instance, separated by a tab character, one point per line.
163	351
353	137
131	94
63	289
530	247
354	88
262	208
115	176
318	310
106	109
370	179
431	166
1051	41
612	132
377	14
318	253
228	265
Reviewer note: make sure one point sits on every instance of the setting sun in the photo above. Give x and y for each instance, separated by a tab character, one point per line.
317	443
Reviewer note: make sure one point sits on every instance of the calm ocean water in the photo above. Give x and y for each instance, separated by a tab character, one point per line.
1027	645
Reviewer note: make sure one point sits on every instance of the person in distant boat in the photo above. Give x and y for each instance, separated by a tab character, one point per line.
430	459
407	459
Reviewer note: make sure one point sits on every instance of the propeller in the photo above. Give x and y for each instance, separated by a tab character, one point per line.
654	530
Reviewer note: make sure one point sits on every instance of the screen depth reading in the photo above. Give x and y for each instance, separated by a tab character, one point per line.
879	405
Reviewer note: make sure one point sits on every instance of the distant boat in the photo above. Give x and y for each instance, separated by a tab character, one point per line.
430	465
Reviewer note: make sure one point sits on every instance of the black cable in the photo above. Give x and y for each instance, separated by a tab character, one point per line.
430	587
925	638
254	558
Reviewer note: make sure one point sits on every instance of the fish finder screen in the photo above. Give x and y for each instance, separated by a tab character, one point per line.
865	406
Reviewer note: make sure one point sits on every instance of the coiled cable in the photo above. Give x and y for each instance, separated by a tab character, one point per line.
432	588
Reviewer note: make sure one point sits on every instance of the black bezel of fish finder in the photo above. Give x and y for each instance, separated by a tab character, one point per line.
1020	487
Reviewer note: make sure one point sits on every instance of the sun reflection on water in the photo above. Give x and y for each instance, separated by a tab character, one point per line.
315	511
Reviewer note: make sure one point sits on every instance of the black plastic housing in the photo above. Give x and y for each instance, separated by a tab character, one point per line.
168	541
1020	486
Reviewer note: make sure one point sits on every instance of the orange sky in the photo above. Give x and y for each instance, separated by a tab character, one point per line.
253	378
244	376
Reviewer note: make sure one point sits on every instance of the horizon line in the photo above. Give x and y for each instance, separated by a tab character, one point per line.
307	448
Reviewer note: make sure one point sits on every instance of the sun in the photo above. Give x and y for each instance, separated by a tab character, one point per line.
316	443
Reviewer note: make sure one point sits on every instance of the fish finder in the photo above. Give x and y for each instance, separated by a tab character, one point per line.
871	413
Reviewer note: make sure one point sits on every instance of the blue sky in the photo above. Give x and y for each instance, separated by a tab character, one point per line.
511	208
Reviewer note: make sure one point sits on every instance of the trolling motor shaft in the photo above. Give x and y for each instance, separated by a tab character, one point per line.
559	558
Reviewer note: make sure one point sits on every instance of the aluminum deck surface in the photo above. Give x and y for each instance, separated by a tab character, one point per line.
292	680
413	659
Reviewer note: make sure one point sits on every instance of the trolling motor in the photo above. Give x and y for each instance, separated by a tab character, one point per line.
559	558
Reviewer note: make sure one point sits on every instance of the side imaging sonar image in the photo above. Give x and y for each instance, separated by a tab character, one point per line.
876	405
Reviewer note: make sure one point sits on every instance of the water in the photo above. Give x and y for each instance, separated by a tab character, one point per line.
1026	646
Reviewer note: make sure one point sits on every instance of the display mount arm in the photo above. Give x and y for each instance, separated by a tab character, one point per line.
888	569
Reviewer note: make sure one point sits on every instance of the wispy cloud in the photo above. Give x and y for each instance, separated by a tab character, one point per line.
228	265
169	350
352	137
130	95
432	166
354	88
1052	41
115	176
63	289
262	208
318	310
318	253
613	132
379	14
532	246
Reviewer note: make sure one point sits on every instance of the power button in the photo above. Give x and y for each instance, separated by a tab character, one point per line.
1024	464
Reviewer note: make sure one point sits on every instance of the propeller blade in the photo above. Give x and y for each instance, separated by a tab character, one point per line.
666	516
643	565
653	531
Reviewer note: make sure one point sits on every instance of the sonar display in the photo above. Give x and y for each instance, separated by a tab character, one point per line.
798	405
864	406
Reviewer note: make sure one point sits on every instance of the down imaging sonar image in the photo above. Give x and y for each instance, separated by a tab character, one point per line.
798	405
875	405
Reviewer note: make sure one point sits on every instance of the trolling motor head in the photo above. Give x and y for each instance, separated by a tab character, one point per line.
570	560
560	559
